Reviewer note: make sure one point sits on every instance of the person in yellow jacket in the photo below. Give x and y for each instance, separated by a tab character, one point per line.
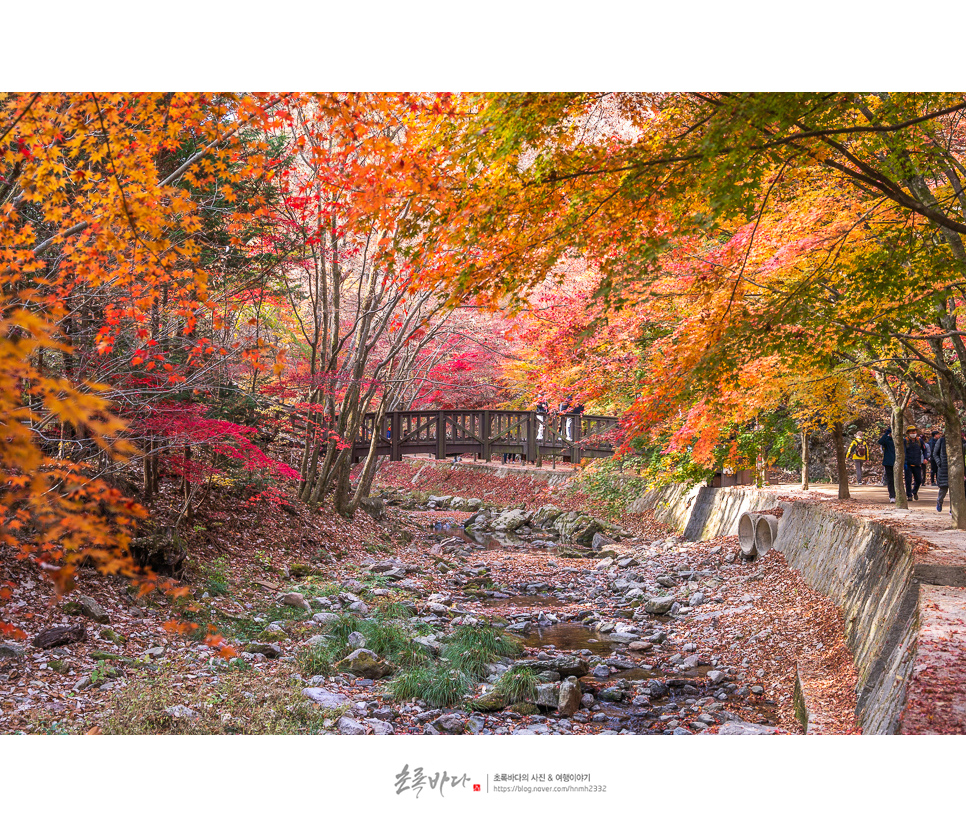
858	453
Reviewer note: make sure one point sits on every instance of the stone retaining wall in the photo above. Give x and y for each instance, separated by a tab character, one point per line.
864	567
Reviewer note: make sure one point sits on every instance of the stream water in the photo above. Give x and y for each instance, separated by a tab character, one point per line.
681	694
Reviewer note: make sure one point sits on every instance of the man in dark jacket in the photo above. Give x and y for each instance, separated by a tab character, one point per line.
913	464
940	462
889	462
932	460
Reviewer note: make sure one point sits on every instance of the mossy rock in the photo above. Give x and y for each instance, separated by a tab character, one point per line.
300	569
100	655
523	708
491	701
62	667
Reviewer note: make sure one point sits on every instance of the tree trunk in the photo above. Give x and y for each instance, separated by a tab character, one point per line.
840	460
954	451
804	460
898	430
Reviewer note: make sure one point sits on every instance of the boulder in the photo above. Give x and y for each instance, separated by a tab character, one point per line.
511	520
473	504
490	701
324	698
600	541
451	724
659	605
365	664
547	695
112	636
294	600
10	650
87	607
568	701
546	516
379	727
564	665
270	650
349	727
374	507
324	618
578	528
441	501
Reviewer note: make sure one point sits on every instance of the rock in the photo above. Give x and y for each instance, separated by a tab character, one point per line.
600	671
612	693
112	636
696	600
564	665
430	643
181	711
294	600
547	695
359	607
691	662
546	515
87	607
450	724
380	728
59	636
365	664
600	540
659	605
324	618
716	676
745	728
511	520
523	708
577	527
757	690
490	701
441	501
350	727
657	689
10	650
316	640
324	698
604	564
374	507
640	646
356	640
270	650
568	701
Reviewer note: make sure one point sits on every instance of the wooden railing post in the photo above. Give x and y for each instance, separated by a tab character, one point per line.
440	435
485	434
531	454
395	435
575	457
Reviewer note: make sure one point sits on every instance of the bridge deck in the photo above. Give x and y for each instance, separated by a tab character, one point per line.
487	433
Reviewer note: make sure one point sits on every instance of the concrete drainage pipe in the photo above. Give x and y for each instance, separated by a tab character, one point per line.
746	533
766	531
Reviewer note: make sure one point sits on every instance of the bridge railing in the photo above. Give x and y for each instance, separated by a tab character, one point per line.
486	433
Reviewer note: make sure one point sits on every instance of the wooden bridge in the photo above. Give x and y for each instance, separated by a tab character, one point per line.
487	433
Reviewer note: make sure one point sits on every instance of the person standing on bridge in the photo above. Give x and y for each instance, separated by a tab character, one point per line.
858	453
913	465
889	462
543	409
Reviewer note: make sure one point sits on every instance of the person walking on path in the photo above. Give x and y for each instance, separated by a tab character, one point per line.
913	465
889	462
933	468
940	462
926	454
858	453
